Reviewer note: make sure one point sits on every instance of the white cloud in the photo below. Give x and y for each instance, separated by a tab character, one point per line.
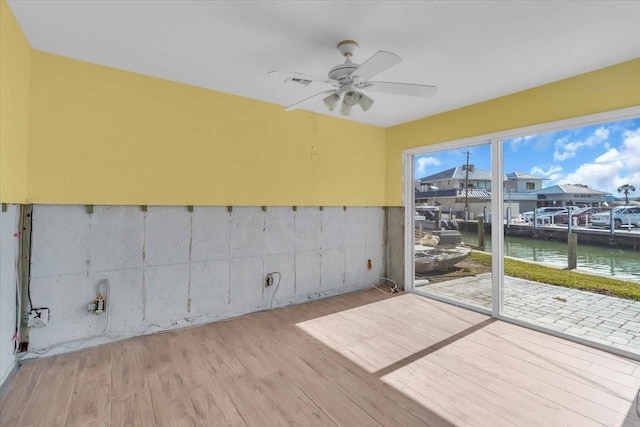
565	149
611	155
613	168
553	173
631	150
515	143
422	166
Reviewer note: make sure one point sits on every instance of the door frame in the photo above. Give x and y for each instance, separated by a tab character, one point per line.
497	205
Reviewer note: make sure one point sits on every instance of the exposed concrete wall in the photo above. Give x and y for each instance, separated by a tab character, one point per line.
171	268
9	248
394	230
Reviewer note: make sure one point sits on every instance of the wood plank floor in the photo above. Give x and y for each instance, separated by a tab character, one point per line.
365	359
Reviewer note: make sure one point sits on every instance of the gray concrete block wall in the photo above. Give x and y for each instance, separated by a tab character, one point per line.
394	232
9	247
170	268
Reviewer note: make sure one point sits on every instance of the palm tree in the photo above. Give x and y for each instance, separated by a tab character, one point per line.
626	189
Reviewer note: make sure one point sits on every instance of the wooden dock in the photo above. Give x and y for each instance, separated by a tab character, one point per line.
621	238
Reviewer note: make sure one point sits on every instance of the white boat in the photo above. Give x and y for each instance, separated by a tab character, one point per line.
438	258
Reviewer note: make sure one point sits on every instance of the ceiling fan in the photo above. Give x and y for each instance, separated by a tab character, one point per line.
349	80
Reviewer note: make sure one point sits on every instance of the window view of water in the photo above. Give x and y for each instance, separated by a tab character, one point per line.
549	180
618	263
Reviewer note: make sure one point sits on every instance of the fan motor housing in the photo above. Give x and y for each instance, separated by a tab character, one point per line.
342	72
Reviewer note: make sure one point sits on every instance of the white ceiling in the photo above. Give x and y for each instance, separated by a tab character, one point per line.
473	51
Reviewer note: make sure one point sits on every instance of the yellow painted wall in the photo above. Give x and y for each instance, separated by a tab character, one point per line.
602	90
78	133
15	55
105	136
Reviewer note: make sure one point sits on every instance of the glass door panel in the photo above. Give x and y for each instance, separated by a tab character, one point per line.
569	198
452	225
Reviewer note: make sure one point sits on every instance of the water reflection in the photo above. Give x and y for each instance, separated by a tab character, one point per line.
619	263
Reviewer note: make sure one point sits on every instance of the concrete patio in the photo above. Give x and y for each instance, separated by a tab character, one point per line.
599	318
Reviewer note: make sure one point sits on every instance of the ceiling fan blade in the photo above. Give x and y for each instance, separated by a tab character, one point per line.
373	66
302	79
300	103
401	88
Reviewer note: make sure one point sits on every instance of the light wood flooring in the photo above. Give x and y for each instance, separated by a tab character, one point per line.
364	359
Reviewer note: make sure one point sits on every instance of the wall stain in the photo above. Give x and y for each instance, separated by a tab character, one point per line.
313	155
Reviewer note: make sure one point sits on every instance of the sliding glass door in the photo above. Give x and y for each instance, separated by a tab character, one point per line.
539	226
451	223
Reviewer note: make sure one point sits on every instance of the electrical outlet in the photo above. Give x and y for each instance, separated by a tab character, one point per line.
38	317
98	305
268	280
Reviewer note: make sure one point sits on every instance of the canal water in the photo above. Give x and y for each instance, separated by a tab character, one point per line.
621	264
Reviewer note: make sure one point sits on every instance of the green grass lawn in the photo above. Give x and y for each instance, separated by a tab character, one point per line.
566	278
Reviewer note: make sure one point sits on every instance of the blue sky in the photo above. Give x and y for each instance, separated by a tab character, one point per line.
603	156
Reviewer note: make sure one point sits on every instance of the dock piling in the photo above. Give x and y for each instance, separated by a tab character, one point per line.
572	258
481	232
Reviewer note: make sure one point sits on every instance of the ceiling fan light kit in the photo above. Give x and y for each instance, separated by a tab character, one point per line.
345	110
331	101
350	79
365	102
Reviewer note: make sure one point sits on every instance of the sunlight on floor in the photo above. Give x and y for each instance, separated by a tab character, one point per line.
439	355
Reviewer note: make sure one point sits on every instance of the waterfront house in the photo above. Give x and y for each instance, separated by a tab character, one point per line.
446	189
570	195
522	192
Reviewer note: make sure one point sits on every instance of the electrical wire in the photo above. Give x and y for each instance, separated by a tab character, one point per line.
30	218
31	306
18	275
394	288
106	295
104	289
81	342
275	290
